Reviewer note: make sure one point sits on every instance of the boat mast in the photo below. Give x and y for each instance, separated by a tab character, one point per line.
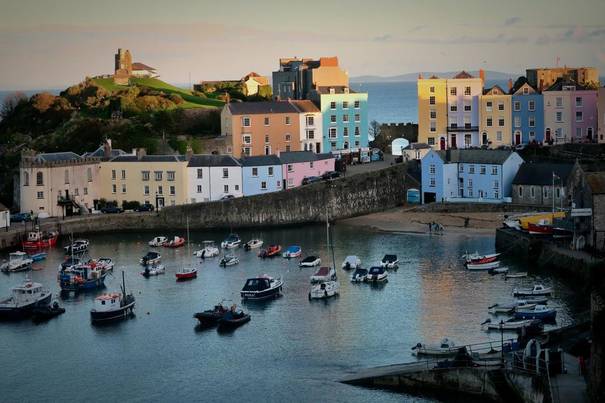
330	245
123	285
188	242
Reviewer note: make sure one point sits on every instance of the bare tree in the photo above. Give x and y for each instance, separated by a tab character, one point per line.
10	103
374	129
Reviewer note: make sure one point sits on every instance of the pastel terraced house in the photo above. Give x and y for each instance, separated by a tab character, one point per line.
303	164
463	93
495	112
261	174
528	115
432	110
212	177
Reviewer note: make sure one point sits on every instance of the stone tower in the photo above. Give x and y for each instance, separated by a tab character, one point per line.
123	67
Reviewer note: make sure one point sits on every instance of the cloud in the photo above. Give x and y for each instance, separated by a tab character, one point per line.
416	28
383	38
511	21
575	34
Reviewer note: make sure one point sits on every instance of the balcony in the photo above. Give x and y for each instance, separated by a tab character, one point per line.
463	128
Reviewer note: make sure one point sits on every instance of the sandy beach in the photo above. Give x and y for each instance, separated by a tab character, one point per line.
408	220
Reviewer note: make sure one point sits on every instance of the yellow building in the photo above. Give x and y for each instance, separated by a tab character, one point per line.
159	180
495	127
432	110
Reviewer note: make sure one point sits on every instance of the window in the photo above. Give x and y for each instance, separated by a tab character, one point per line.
496	185
488	106
199	188
578	132
146	190
532	192
345	131
67	177
170	175
311	164
40	195
356	104
532	135
310	120
123	174
461	168
246	121
266	121
453	91
113	174
357	133
345	118
545	192
333	145
290	168
332	118
469	183
357	117
172	190
432	169
160	190
578	102
531	106
489	122
467	107
432	89
26	179
579	116
500	122
247	139
254	171
288	137
123	188
266	138
85	190
158	175
287	120
525	90
332	132
431	100
471	169
345	105
433	115
559	116
453	108
431	141
516	106
517	121
467	140
267	150
558	193
532	121
520	191
432	182
332	105
499	135
559	102
500	106
226	188
114	188
482	170
270	171
225	172
263	185
310	134
89	174
433	126
145	175
467	90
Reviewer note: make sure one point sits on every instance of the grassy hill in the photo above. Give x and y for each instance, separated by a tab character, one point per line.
191	101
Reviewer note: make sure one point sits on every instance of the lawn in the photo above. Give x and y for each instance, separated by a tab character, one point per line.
191	101
107	83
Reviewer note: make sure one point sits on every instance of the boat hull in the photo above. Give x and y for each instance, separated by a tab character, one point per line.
186	276
483	266
547	315
113	316
269	293
43	243
24	311
230	324
90	284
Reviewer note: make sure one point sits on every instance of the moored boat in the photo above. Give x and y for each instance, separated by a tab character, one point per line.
17	261
210	317
538	289
70	263
82	277
377	274
24	298
209	250
233	318
389	262
253	244
228	260
271	251
323	274
154	270
292	252
77	246
479	259
541	229
359	275
541	312
516	275
498	270
158	241
310	261
113	306
351	263
232	241
510	324
186	273
444	349
45	312
261	288
324	290
151	257
38	239
558	232
482	266
176	242
36	257
510	307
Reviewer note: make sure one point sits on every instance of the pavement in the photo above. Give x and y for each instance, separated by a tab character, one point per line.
370	166
569	387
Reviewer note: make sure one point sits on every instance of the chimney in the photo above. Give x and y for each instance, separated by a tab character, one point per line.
541	86
510	84
189	153
107	148
141	152
482	75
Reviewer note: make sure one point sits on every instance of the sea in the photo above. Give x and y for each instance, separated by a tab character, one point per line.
292	350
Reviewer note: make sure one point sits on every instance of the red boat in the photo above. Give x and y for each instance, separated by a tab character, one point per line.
39	239
476	258
539	229
186	273
272	250
177	242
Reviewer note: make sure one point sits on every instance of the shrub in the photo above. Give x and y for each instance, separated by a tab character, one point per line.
130	205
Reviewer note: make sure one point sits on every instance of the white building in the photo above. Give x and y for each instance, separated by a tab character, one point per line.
463	93
311	127
211	177
5	217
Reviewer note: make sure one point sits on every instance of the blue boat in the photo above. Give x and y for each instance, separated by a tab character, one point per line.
292	251
542	312
36	257
82	277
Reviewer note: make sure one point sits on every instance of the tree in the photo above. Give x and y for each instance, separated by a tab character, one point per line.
11	102
374	129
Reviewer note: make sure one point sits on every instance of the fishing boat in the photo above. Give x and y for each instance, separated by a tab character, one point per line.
229	260
210	317
310	261
232	241
292	252
482	266
323	274
36	257
82	277
104	262
151	257
541	228
479	259
186	273
498	270
261	288
209	250
158	241
389	262
253	244
510	324
538	289
446	348
359	275
232	319
113	306
511	307
541	312
377	274
154	270
70	263
324	290
516	275
45	312
271	251
351	263
77	246
24	298
38	239
176	242
17	261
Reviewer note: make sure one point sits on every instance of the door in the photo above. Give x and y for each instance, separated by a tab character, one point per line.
66	194
547	139
318	148
442	143
159	202
453	142
484	139
517	138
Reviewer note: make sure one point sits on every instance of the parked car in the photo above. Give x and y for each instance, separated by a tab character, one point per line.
20	217
311	179
227	197
111	210
330	175
144	207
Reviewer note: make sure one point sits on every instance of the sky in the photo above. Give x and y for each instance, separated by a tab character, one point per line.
53	44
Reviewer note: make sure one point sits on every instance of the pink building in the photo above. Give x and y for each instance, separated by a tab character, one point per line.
584	115
297	165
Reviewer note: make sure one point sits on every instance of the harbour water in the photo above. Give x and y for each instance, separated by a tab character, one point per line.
292	350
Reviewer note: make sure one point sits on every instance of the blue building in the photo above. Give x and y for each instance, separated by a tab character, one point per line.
345	118
468	175
527	115
261	174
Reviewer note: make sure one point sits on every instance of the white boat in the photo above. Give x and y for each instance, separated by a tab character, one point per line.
482	266
292	252
209	250
310	261
511	307
158	241
24	298
443	349
113	306
389	262
253	244
154	270
538	289
516	275
351	263
499	270
77	246
510	324
324	290
477	258
377	275
17	261
359	275
105	262
229	260
323	274
150	258
232	241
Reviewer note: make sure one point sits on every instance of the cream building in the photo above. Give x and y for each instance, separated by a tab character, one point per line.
432	110
495	118
601	112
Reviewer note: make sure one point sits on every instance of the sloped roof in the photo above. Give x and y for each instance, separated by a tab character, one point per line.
463	74
305	106
148	158
541	173
495	90
475	156
596	181
519	91
211	160
55	157
562	82
141	66
417	146
260	160
252	108
100	152
293	157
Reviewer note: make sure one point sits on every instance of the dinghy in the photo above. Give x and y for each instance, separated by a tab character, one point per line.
515	275
154	270
229	260
158	241
310	261
537	289
359	275
232	241
292	252
351	263
446	348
